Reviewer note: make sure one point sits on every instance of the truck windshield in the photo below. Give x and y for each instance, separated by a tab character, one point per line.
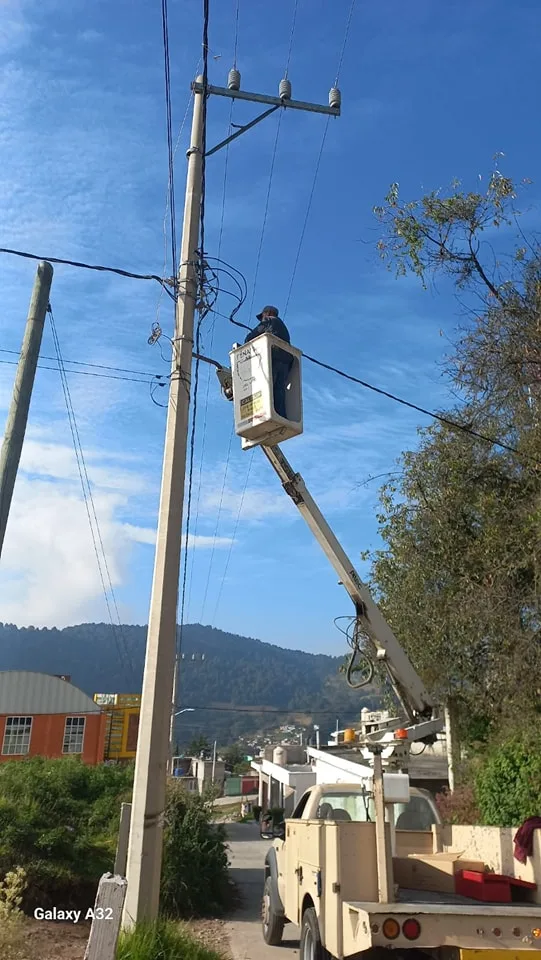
417	814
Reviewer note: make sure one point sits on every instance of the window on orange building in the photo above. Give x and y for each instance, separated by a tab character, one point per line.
17	736
74	734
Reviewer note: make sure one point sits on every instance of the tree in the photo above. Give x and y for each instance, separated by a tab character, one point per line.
198	745
234	759
459	575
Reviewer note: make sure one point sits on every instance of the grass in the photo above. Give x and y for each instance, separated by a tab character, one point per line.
163	940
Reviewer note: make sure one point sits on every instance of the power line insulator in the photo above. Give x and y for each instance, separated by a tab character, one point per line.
233	79
284	90
335	98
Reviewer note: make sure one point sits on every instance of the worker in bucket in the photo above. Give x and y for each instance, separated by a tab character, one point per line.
269	322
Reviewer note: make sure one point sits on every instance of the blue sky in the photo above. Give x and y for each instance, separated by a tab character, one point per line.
430	92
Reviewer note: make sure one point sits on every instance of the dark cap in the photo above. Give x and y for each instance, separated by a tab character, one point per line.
269	311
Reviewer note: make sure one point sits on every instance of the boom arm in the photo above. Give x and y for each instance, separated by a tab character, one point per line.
407	685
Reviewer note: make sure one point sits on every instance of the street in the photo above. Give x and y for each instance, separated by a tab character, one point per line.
247	855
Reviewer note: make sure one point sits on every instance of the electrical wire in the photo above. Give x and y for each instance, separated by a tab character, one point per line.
91	266
454	424
216	528
318	161
170	148
86	373
307	215
203	314
236	35
237	521
291	36
359	661
266	211
344	44
90	506
85	363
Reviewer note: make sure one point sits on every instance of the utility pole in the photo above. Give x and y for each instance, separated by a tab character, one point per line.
214	760
22	391
148	804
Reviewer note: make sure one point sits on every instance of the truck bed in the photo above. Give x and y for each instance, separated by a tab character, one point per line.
452	903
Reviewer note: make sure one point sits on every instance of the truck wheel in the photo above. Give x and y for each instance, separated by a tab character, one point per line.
273	925
311	947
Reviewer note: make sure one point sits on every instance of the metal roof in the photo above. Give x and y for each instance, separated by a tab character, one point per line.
23	692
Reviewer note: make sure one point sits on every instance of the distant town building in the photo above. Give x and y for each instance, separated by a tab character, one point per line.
47	716
122	711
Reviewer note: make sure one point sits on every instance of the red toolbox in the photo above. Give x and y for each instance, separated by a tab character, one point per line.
490	887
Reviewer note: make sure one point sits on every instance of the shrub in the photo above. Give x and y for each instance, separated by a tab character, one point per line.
195	878
460	806
11	918
163	940
59	821
508	783
257	811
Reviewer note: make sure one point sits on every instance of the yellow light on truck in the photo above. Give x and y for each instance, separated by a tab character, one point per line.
391	929
536	932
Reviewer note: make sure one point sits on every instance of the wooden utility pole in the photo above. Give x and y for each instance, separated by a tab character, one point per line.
12	445
148	803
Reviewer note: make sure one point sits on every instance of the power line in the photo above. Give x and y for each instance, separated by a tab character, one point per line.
215	537
202	315
169	126
309	207
454	424
87	373
291	36
241	504
280	710
236	36
413	406
266	212
96	366
344	44
90	266
89	500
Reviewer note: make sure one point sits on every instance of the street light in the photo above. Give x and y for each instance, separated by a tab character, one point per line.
184	710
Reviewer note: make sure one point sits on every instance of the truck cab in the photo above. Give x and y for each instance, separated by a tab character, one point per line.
337	802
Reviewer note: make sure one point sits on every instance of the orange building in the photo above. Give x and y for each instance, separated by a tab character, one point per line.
46	716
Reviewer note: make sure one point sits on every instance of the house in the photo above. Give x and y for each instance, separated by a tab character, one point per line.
122	711
196	773
47	716
286	771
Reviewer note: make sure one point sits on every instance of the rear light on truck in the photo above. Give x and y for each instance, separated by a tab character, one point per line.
411	929
536	933
390	929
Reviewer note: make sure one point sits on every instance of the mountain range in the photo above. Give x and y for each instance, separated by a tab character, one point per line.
236	672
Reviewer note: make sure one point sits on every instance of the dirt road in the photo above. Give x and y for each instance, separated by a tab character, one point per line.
247	855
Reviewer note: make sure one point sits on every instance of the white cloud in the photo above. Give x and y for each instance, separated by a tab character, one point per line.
195	541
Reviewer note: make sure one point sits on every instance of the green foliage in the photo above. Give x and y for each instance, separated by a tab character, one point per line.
197	746
162	940
58	821
234	759
508	783
195	878
459	575
460	806
11	918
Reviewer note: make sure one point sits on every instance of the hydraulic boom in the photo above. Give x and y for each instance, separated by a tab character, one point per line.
408	686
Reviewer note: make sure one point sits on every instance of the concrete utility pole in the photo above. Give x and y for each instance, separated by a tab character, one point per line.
148	804
22	391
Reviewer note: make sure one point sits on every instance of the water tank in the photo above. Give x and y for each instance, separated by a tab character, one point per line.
279	757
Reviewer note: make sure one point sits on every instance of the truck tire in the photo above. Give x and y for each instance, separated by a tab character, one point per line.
273	924
311	947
